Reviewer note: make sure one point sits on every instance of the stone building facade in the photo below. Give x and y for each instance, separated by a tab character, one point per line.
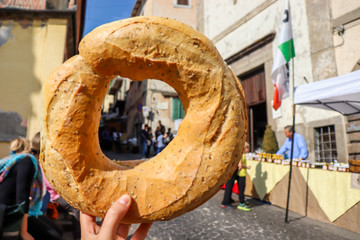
326	37
33	42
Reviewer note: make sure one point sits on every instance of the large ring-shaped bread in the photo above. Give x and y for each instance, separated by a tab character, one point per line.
191	169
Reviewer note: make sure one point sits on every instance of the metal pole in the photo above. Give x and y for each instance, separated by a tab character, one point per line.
252	129
292	148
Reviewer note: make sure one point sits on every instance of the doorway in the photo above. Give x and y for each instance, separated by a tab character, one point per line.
257	125
253	84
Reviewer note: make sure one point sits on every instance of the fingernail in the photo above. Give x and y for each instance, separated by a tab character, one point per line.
125	200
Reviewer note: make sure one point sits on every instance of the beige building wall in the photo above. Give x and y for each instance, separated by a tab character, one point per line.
346	17
160	101
234	26
343	7
29	51
109	99
168	8
119	95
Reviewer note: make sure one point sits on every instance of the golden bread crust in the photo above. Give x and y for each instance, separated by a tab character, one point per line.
191	169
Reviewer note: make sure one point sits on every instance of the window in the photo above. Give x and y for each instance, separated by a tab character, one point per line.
178	110
182	3
325	144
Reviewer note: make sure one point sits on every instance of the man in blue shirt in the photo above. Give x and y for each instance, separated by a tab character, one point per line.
300	148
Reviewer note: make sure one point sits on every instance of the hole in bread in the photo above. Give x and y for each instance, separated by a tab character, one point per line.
120	126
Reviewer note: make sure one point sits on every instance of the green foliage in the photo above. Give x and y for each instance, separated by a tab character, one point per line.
269	144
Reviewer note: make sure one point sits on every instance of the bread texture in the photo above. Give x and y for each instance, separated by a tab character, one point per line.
197	162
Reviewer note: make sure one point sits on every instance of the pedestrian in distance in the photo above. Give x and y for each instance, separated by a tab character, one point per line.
240	176
144	139
149	142
157	132
162	128
242	180
169	137
160	142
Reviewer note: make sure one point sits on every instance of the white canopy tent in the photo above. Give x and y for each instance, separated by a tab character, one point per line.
341	94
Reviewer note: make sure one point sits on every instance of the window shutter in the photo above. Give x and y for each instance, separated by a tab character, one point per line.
178	110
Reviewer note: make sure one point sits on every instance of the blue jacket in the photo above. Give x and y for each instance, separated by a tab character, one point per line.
300	148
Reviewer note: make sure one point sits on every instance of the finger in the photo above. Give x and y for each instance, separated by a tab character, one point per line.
114	215
123	230
88	224
142	231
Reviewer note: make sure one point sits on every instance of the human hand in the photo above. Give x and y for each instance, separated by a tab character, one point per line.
111	227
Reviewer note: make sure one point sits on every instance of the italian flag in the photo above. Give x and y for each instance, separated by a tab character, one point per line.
284	52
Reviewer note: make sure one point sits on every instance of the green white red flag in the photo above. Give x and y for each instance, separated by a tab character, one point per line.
284	52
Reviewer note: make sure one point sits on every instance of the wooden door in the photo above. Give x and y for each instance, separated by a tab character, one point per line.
253	84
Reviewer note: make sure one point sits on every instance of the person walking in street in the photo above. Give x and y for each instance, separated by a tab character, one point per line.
169	137
159	129
149	142
242	180
300	149
157	132
162	128
144	138
240	176
160	142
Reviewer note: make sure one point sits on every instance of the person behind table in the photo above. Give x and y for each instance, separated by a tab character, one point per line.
227	200
300	149
20	180
242	180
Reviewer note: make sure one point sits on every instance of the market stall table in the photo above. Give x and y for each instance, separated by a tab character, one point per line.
325	195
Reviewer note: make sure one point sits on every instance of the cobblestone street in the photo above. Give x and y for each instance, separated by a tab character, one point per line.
265	221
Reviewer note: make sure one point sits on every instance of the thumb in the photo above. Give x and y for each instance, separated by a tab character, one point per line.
114	215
